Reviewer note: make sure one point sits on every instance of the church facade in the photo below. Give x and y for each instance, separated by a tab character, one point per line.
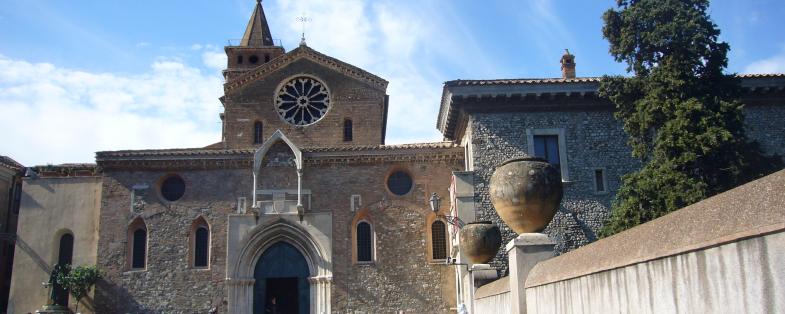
301	207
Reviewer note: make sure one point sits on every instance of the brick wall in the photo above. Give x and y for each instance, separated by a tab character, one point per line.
351	99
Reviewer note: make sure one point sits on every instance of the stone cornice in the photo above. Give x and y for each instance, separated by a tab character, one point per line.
461	97
10	164
67	170
203	159
310	54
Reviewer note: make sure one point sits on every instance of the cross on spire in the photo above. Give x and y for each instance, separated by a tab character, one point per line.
303	19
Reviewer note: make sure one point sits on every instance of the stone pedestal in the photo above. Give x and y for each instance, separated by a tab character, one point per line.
482	274
524	252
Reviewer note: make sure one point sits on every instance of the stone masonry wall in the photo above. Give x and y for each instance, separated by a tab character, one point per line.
401	279
594	140
764	124
168	284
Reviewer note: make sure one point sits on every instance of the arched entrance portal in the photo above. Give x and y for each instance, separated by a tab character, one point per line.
281	281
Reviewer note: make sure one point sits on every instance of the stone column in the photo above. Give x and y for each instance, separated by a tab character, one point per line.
524	252
253	193
320	294
240	295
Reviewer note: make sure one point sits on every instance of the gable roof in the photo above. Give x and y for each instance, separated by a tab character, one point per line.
305	52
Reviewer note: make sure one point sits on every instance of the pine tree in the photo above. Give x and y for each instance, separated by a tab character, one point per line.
680	110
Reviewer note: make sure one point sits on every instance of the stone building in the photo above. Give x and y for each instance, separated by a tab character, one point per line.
565	122
302	207
10	191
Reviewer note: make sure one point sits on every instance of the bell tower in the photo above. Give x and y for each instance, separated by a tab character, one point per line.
254	49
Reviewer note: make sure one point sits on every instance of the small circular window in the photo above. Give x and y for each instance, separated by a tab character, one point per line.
253	59
399	183
172	188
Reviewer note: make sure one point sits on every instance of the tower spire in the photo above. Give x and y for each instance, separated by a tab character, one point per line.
257	33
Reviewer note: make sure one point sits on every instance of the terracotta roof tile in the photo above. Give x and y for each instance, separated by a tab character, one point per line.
523	81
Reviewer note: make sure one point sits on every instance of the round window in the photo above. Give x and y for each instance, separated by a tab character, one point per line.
302	101
253	59
399	183
172	188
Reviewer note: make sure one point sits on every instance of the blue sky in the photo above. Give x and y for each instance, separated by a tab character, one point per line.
82	76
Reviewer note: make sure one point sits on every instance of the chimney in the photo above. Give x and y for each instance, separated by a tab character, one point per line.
567	65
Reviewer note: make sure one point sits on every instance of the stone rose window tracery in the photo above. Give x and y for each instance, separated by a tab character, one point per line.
302	101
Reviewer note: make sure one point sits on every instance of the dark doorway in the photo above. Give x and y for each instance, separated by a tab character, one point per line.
282	295
281	276
64	257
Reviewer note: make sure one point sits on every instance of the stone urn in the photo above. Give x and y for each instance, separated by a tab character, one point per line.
526	193
480	241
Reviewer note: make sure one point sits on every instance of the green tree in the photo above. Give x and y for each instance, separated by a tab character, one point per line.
77	280
680	110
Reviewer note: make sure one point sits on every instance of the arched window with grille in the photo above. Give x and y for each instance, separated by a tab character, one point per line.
137	244
258	130
347	130
438	240
200	243
364	242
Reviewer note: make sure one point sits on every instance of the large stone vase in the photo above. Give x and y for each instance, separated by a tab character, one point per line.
480	241
526	193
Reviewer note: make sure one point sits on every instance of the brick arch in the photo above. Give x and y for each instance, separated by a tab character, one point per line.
198	222
136	224
363	215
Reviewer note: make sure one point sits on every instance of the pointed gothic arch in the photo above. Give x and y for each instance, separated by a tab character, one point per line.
262	151
241	272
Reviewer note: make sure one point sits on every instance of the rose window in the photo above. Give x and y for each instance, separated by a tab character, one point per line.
302	101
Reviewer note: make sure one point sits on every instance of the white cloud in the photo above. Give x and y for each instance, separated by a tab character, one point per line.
214	60
72	114
59	115
774	64
398	43
142	44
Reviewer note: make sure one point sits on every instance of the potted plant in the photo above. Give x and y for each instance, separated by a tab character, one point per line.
78	280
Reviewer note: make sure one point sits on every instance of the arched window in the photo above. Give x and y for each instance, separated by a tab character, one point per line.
137	244
364	243
240	59
64	257
257	132
347	130
438	240
66	252
266	58
200	243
